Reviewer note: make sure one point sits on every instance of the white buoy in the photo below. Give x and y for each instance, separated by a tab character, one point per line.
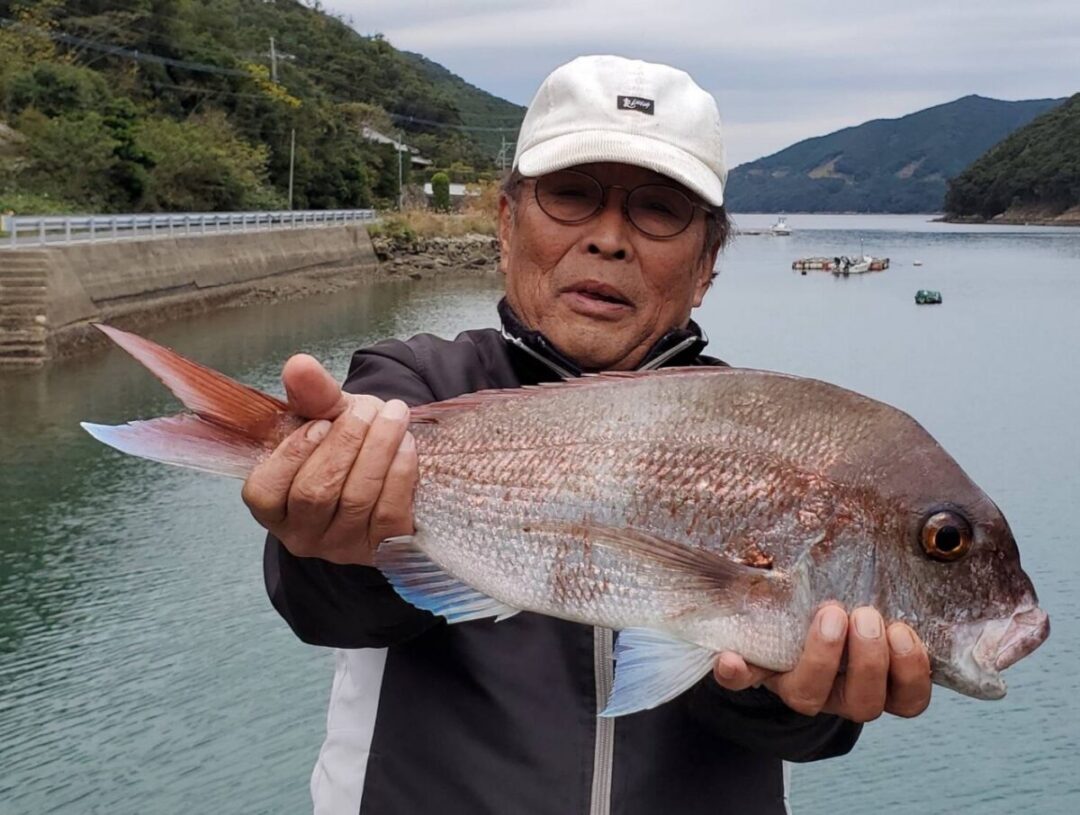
916	263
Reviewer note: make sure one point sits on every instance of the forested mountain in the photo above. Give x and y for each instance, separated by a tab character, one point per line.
153	105
885	165
1033	174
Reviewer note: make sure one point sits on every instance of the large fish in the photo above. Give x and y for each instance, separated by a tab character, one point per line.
695	510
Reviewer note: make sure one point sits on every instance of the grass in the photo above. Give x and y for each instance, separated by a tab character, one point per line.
479	216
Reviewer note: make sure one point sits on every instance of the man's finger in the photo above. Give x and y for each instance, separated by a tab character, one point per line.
909	673
367	476
866	681
732	672
316	490
806	688
266	490
393	511
312	392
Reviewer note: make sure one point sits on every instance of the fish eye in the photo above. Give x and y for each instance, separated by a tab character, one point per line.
946	536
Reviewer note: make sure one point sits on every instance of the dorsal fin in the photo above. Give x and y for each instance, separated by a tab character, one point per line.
437	411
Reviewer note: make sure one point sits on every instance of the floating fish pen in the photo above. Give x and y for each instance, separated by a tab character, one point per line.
841	265
814	264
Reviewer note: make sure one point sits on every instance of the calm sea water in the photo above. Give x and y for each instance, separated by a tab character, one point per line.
142	669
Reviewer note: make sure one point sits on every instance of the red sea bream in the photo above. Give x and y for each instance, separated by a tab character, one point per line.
694	510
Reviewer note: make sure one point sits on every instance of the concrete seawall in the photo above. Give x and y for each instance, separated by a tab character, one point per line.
50	295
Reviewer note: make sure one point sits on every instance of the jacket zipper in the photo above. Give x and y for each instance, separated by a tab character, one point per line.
674	350
604	750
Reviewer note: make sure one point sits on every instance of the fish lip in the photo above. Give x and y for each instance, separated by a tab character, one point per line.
1027	630
599	288
984	648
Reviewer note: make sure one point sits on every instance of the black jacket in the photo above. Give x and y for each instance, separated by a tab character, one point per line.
501	718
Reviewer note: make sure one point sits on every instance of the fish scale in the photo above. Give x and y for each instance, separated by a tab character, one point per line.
695	510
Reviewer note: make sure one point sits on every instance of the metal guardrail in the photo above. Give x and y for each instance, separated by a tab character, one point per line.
40	230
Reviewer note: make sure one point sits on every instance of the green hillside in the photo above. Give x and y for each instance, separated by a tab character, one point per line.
146	105
1035	170
886	165
494	119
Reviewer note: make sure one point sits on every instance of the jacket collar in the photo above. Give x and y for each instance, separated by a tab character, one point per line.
680	346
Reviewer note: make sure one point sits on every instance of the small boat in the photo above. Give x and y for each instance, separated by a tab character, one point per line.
916	263
927	297
861	265
780	227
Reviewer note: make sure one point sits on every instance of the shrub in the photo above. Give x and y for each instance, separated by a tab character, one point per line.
57	88
440	192
69	157
201	164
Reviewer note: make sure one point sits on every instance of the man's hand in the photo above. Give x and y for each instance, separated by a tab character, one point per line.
886	671
339	485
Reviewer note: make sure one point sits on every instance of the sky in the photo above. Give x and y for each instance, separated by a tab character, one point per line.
781	70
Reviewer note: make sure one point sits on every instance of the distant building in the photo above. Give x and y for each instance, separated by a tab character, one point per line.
416	161
458	192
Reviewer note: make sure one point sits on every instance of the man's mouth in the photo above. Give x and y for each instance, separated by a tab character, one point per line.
600	292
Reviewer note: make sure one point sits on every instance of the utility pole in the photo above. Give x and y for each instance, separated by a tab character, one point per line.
275	55
292	156
505	151
400	174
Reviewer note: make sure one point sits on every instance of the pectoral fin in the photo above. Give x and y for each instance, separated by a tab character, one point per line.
423	583
728	583
652	668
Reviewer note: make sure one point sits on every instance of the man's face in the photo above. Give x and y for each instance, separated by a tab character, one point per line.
602	291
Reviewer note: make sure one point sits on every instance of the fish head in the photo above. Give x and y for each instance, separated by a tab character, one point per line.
946	562
962	588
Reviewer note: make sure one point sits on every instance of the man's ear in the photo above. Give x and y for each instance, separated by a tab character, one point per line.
705	273
506	226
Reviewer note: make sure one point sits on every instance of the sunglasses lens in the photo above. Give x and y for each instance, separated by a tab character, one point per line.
568	196
659	211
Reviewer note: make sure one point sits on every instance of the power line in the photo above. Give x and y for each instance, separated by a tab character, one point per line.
201	67
115	50
403	118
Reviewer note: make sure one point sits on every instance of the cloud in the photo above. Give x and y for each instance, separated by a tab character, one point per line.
781	69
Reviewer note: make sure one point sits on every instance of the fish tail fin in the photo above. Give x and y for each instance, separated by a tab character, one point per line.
233	426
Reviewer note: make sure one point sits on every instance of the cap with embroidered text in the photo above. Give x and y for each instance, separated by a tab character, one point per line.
609	108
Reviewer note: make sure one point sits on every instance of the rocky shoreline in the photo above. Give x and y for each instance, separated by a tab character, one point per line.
418	258
1023	216
398	259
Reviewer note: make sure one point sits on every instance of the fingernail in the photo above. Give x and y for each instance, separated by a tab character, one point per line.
900	639
833	622
395	410
868	623
408	443
724	670
317	430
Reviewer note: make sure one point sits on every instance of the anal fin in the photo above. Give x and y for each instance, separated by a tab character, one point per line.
652	668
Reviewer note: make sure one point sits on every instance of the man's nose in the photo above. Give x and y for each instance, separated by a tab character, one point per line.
609	235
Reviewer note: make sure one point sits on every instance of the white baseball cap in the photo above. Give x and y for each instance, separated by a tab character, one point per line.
607	108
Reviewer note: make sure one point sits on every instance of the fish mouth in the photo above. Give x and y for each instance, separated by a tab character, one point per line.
981	650
1027	631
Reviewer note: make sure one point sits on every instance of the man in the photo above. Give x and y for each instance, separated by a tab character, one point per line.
609	229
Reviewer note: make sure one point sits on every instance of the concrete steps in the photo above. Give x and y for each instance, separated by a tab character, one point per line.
24	288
